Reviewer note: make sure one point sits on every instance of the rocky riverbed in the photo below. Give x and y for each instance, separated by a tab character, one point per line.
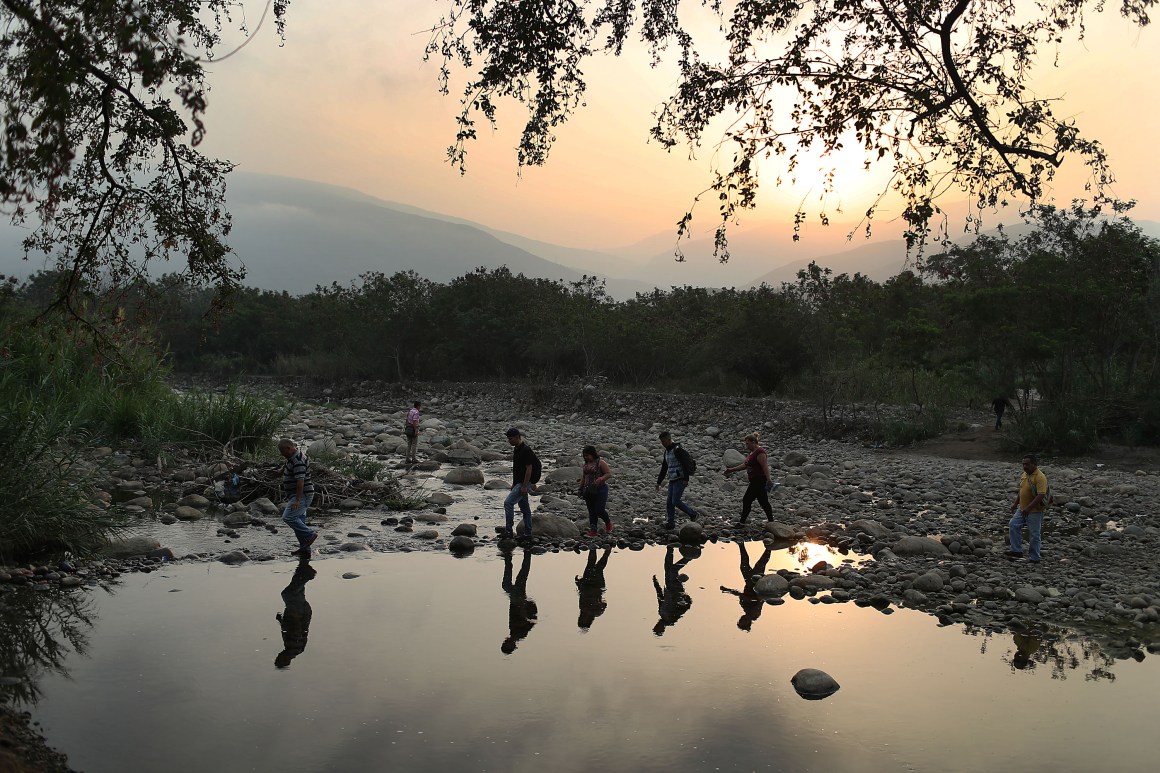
929	531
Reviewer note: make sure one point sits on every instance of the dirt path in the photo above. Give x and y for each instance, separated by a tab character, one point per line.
985	444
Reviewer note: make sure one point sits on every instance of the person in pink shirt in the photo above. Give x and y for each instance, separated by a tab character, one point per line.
411	428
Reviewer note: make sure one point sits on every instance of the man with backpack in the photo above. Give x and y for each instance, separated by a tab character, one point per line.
1028	510
676	467
525	472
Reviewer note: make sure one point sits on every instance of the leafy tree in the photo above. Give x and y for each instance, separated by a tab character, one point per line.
102	107
937	90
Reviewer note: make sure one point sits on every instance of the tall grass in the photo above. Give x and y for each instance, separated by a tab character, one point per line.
63	389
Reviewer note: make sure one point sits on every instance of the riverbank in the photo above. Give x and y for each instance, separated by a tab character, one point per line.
933	518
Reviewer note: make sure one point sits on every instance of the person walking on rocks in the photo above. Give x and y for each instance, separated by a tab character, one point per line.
298	488
594	489
1028	509
676	466
411	429
524	466
756	466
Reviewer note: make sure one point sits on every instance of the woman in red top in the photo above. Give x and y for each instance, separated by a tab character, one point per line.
594	489
756	466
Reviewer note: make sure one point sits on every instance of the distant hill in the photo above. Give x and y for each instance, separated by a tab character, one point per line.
295	234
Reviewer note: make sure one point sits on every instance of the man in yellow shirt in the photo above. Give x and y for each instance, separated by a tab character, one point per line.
1028	508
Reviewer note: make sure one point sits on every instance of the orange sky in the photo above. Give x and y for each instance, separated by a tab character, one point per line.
349	101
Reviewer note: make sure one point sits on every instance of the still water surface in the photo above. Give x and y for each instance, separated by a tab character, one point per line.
424	662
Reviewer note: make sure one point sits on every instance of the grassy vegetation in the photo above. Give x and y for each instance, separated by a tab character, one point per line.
66	390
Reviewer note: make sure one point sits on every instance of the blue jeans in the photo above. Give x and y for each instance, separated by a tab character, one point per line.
296	518
598	506
1034	523
509	509
673	502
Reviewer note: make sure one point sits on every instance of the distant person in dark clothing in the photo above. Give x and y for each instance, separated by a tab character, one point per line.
590	586
594	489
675	468
999	405
298	488
672	601
756	466
295	619
523	465
751	603
522	611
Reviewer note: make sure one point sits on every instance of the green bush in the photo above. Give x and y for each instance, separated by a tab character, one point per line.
904	432
1070	431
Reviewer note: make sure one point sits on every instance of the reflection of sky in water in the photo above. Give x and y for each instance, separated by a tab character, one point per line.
403	669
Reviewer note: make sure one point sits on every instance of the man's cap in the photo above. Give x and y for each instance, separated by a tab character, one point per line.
513	432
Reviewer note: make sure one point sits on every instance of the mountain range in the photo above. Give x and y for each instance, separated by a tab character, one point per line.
294	234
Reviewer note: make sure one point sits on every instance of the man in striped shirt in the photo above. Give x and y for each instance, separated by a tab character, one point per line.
298	489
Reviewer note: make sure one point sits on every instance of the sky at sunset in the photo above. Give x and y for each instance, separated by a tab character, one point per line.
349	101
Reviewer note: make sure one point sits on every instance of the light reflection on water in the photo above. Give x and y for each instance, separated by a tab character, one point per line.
428	663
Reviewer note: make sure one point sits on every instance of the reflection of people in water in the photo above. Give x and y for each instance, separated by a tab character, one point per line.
1026	645
522	610
747	597
672	601
591	589
295	619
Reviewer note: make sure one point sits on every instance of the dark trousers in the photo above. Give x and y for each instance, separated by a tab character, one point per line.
756	490
598	506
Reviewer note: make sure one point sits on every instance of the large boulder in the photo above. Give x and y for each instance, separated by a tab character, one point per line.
771	585
813	684
552	526
130	546
564	475
919	546
873	528
780	531
732	458
691	533
194	500
187	513
794	459
928	583
461	544
323	447
465	530
464	476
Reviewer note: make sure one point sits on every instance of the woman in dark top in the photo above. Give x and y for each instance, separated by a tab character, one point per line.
594	489
756	466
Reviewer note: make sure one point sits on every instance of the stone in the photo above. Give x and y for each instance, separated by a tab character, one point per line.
780	531
1029	595
237	518
186	513
732	457
812	684
919	546
551	526
322	448
461	543
794	459
564	475
426	534
464	530
464	476
233	558
264	505
871	527
130	546
194	500
691	533
928	583
771	585
354	547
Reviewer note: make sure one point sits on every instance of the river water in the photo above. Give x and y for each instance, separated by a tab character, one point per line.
493	663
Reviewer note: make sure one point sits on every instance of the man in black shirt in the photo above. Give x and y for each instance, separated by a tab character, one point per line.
523	464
